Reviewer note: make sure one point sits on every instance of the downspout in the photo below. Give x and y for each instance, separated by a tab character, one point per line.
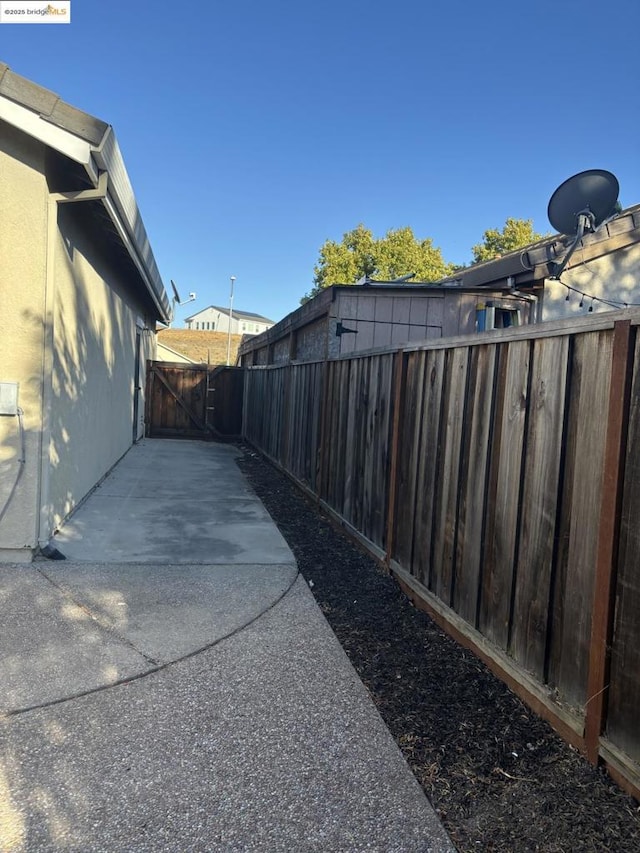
100	192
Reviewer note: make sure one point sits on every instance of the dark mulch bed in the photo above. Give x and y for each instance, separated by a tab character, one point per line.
498	776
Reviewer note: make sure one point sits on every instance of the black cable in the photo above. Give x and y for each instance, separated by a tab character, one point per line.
617	303
21	461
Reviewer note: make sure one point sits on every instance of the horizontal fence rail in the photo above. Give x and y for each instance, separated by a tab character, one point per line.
498	477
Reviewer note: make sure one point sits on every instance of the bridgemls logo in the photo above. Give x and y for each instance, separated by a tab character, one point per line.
25	12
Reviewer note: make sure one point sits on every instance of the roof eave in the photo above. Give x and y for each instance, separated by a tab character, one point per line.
95	157
530	265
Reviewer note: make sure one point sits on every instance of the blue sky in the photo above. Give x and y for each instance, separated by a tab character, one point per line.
253	131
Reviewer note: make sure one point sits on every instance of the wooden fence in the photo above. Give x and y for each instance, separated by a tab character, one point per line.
498	477
193	400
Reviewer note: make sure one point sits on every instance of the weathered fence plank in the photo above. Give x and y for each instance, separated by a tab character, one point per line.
473	478
434	366
624	691
408	459
504	491
446	516
539	504
379	439
569	662
475	471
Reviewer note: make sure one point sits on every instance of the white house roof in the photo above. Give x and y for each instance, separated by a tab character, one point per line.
92	143
236	315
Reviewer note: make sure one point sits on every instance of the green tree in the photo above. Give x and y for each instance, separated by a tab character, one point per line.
515	234
387	258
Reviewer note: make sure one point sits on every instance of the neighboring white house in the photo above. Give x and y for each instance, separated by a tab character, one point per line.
214	319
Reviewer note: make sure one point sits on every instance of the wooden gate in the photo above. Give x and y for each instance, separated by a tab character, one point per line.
193	401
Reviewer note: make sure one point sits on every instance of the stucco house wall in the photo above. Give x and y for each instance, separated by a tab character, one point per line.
96	326
614	277
23	214
80	297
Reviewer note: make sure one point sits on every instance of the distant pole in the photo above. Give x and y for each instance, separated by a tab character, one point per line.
233	278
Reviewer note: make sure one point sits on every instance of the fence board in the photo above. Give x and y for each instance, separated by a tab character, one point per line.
427	465
504	490
624	690
446	517
379	438
363	402
331	448
473	477
341	457
313	417
352	440
591	367
498	496
408	461
539	504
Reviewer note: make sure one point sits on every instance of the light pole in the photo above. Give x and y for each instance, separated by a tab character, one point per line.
233	278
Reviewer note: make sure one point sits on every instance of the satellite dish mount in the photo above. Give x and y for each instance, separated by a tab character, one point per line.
581	205
177	301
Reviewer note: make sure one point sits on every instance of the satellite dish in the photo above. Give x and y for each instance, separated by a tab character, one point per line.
593	194
175	292
582	203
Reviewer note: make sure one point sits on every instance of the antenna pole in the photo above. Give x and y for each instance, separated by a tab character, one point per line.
233	278
585	220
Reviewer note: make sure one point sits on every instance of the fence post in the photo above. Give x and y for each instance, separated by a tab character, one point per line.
608	534
399	386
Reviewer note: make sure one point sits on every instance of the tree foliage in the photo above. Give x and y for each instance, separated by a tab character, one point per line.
516	234
360	254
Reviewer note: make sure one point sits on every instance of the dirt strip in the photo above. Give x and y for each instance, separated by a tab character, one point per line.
498	776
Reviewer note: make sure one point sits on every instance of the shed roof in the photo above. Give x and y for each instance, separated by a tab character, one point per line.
91	142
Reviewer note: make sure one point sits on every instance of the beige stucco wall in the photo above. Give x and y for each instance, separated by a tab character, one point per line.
94	355
615	276
72	308
22	304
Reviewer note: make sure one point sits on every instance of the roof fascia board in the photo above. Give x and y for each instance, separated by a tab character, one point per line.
123	233
106	157
49	134
109	158
621	231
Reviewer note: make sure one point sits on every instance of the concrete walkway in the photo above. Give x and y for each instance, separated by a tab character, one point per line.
173	686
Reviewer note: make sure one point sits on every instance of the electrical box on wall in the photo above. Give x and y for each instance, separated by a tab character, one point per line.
8	398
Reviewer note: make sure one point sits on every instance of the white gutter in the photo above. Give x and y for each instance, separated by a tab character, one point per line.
50	134
125	215
120	201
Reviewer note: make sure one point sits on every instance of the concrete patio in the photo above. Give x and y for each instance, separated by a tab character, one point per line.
172	685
